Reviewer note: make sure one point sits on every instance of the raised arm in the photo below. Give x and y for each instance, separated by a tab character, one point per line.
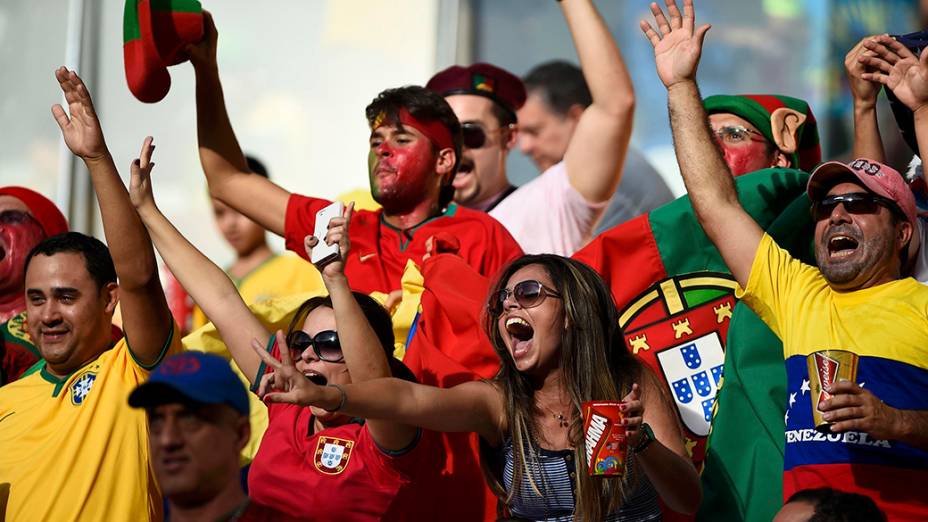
896	67
222	159
867	140
206	283
597	150
677	48
146	317
474	406
364	355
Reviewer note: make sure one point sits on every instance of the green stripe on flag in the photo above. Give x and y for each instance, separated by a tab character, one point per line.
130	22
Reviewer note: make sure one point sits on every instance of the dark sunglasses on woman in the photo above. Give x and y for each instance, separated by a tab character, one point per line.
857	203
528	294
325	344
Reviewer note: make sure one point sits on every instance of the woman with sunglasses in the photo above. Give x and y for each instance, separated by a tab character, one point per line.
312	463
554	326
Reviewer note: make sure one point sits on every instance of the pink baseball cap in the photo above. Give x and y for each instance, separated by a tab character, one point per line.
877	178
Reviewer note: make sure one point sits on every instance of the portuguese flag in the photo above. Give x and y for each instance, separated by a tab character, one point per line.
677	310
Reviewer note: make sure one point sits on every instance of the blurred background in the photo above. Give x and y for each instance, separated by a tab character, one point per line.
298	74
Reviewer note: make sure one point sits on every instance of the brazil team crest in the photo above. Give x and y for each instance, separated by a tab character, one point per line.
81	386
678	327
332	454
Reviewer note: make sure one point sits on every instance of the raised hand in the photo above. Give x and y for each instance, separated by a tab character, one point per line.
203	53
337	233
896	67
864	91
81	131
677	43
632	414
285	383
140	178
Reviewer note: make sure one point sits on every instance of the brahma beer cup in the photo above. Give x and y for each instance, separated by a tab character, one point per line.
827	367
604	434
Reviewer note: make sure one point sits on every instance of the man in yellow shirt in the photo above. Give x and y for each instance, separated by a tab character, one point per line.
857	301
72	448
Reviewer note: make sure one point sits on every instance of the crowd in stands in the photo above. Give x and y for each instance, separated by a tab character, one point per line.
441	363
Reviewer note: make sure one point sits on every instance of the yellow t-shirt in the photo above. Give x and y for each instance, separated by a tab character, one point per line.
73	449
281	275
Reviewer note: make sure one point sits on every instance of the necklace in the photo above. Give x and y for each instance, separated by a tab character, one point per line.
561	419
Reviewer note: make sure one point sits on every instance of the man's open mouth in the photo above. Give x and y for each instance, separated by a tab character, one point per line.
841	245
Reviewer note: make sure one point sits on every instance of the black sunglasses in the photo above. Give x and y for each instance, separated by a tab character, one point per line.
528	294
325	344
855	203
16	217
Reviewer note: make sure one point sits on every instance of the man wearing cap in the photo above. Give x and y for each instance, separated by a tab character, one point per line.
197	411
26	218
414	151
556	212
72	447
856	301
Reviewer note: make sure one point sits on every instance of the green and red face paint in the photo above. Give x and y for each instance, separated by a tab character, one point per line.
155	33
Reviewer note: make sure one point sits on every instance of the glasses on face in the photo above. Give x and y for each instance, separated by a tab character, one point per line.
528	294
15	217
855	203
325	344
735	134
475	136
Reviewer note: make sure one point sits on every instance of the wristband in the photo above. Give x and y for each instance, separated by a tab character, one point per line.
341	403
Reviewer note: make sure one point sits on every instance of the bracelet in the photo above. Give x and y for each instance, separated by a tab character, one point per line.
341	403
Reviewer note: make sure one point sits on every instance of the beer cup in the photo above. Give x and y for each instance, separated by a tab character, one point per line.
826	367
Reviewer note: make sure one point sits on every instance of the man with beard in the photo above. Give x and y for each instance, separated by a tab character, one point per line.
557	211
26	218
72	447
874	436
414	151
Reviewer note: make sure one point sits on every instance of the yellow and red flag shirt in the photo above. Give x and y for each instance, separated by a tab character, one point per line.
73	449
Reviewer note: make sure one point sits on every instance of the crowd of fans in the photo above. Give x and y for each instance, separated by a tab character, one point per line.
438	366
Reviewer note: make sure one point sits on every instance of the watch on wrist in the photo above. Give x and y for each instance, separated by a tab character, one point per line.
647	437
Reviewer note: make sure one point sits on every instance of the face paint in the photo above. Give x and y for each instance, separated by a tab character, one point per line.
746	157
16	241
401	166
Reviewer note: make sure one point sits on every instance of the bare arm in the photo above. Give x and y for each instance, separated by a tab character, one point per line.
711	188
364	355
220	155
665	461
146	317
867	140
598	147
473	406
207	284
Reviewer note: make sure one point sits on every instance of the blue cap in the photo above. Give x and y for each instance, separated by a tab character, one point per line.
193	376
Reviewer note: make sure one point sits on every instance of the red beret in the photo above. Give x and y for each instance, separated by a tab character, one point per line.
481	79
43	210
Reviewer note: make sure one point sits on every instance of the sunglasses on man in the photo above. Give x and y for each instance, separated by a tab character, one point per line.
735	134
528	294
325	345
854	203
475	136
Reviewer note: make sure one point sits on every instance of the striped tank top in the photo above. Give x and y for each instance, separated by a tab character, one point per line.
554	473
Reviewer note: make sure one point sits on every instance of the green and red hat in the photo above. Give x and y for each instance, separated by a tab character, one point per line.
758	109
155	33
481	79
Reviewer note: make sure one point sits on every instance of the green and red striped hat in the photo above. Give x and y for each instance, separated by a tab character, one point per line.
154	34
757	110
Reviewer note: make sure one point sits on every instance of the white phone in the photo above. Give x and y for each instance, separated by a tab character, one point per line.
324	254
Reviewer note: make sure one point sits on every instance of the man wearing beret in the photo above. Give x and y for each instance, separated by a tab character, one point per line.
556	212
197	411
413	153
26	218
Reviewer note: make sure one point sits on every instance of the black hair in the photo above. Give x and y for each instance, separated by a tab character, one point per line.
560	85
376	315
425	105
832	505
256	166
97	257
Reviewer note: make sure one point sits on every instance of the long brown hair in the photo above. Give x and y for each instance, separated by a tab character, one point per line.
596	366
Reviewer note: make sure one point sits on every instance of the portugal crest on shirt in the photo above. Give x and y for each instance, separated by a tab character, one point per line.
81	386
680	325
332	454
